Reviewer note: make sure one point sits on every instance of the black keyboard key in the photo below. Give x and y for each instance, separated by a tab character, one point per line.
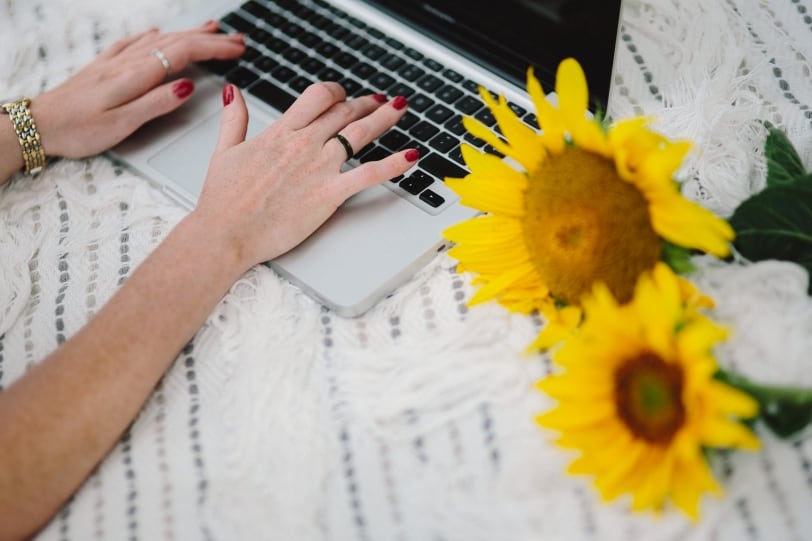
407	121
283	74
373	52
381	81
363	71
411	53
468	105
220	67
255	9
441	167
329	74
294	55
410	72
374	32
276	45
265	64
320	21
356	22
338	31
424	131
351	86
439	113
432	64
454	125
474	141
396	179
531	120
416	182
300	83
312	66
422	149
327	49
452	75
345	60
394	140
486	117
392	62
291	29
250	54
241	76
443	142
400	89
238	23
377	153
456	155
309	40
367	148
518	109
432	198
471	86
272	95
420	102
448	94
355	42
430	83
394	44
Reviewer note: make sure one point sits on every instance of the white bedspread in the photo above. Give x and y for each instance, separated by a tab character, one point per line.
282	421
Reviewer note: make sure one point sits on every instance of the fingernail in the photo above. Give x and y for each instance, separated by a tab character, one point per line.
183	88
399	103
380	98
412	154
228	94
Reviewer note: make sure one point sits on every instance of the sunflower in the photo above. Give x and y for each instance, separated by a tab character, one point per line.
638	398
574	204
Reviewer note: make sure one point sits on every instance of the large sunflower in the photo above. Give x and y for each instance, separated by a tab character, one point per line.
576	204
637	396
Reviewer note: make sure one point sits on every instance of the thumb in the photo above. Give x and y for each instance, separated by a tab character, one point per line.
234	120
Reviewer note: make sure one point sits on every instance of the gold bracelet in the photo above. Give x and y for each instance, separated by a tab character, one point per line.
27	134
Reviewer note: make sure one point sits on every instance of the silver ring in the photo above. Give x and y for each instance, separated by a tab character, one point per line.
346	144
157	53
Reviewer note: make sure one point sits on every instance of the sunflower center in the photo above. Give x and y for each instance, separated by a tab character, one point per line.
648	396
583	223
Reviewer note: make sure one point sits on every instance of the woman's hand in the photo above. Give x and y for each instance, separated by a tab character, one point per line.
124	87
264	196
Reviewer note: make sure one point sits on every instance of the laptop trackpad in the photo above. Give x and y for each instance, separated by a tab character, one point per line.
186	160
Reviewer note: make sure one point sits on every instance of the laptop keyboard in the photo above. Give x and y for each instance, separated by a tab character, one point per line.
291	44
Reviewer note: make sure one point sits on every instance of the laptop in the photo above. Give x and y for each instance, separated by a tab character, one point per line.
435	52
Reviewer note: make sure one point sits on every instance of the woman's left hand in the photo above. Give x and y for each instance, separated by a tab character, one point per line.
124	87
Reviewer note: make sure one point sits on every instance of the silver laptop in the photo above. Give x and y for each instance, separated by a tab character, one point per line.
435	52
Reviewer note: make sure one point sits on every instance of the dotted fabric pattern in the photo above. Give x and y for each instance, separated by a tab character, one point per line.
281	420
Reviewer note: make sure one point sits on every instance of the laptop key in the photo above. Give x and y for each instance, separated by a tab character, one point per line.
424	131
241	76
420	102
454	125
294	55
329	74
345	60
448	94
381	81
363	71
468	105
400	89
272	95
439	113
452	75
265	64
351	86
237	23
432	198
456	155
283	74
430	83
486	117
373	52
443	142
377	153
432	64
309	40
441	167
392	62
327	49
394	140
408	120
312	66
300	83
411	53
394	44
410	72
416	182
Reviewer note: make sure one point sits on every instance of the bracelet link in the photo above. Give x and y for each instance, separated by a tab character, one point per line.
27	135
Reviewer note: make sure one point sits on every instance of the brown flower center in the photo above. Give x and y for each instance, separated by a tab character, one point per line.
648	396
583	224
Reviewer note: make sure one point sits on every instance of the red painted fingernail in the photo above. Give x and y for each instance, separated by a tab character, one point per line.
399	102
380	98
183	88
412	154
228	94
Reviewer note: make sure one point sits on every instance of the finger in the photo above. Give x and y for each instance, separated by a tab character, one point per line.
117	46
343	113
158	101
374	172
364	130
314	101
233	121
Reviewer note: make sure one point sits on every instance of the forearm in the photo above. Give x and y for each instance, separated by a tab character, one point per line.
11	158
64	415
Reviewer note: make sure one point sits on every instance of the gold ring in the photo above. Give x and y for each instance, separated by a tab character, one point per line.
346	144
157	53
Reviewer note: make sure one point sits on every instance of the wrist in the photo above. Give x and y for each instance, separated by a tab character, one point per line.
22	129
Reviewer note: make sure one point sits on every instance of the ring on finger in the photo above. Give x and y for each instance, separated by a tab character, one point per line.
346	144
159	54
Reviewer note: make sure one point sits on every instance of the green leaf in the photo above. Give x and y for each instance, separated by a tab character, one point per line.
776	223
678	258
785	410
784	166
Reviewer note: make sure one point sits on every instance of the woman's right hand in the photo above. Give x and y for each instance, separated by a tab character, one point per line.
264	196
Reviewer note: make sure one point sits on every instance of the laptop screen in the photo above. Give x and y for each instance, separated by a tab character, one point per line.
511	35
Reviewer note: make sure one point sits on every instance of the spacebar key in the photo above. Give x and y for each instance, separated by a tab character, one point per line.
272	95
441	168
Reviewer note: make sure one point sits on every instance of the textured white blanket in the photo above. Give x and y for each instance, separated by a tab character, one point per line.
283	421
